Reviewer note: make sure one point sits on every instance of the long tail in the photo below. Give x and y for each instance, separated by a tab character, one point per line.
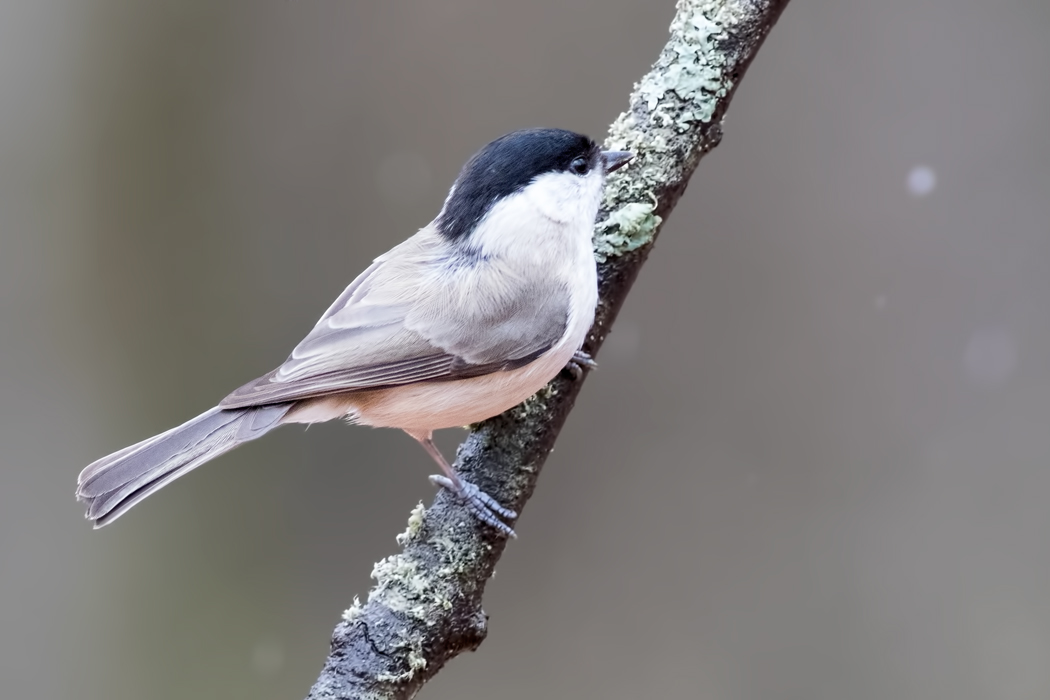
115	483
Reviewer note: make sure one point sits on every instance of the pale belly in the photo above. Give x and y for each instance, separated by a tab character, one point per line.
427	406
436	405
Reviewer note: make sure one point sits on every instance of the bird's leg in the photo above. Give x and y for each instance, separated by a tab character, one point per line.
484	506
579	361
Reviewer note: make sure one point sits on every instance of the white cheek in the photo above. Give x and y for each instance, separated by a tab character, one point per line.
558	208
567	198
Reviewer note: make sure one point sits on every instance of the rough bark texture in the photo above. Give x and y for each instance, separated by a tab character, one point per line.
426	605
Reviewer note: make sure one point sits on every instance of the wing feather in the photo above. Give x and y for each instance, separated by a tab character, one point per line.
403	321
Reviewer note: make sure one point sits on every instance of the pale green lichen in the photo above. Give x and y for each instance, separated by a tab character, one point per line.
690	66
415	523
400	585
354	611
628	228
685	87
416	661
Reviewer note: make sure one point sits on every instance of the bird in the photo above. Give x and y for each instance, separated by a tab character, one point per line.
467	318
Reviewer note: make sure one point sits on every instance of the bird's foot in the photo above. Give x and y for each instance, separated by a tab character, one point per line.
579	361
484	507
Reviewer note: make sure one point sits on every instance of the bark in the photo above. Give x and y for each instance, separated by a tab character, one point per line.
426	605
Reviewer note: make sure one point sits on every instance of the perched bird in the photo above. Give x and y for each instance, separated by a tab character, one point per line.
462	321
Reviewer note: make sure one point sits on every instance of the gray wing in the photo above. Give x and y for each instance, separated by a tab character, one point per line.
414	316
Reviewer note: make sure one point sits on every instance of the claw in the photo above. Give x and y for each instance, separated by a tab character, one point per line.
484	507
579	361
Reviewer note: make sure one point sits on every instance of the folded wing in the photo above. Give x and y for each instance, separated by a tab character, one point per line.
414	316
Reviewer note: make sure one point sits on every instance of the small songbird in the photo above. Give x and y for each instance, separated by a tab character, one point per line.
462	321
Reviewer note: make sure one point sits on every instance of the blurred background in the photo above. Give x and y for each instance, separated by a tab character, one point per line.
814	463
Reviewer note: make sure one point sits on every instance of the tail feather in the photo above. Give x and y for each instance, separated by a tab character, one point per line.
113	484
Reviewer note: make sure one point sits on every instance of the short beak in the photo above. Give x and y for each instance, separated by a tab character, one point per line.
611	160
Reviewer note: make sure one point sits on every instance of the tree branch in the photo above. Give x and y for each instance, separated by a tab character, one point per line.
426	605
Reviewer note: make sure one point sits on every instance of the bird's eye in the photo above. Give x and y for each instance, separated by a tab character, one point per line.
579	166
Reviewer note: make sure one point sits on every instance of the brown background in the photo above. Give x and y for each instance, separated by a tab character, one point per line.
815	462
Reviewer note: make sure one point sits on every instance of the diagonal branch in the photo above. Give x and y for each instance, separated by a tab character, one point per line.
426	605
